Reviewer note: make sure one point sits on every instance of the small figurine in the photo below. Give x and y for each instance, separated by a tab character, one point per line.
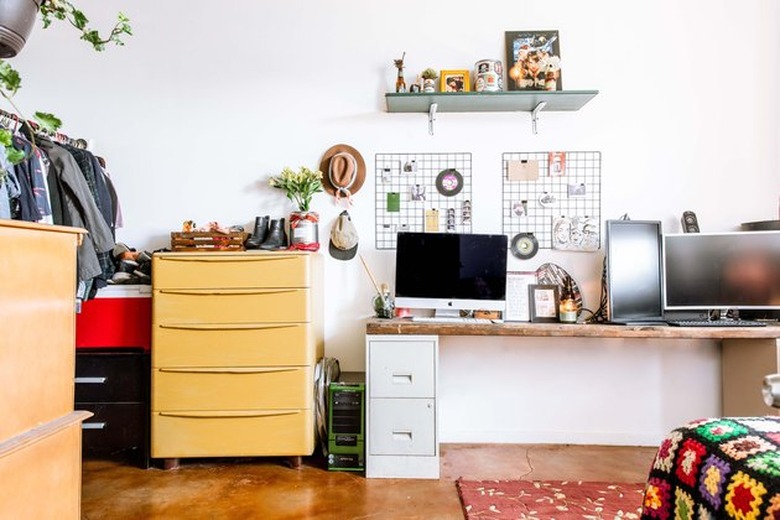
400	83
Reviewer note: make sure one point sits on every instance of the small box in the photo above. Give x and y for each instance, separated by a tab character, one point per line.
118	316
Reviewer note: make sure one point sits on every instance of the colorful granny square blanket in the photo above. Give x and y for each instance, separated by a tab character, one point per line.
717	468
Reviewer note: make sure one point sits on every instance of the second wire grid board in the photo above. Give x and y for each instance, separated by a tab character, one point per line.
421	192
554	195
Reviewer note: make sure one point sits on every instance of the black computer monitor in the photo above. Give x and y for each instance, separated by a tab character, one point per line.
451	271
633	271
722	271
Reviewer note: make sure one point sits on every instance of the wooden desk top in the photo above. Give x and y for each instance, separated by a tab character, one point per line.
406	326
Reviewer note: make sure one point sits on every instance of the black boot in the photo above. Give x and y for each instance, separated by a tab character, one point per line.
259	234
277	238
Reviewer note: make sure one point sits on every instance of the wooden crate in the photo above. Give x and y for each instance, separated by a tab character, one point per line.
208	241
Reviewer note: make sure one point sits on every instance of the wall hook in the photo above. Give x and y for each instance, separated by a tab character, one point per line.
432	116
535	115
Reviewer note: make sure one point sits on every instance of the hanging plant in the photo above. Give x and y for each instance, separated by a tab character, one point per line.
11	81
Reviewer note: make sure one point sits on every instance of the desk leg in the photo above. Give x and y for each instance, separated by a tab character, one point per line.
744	363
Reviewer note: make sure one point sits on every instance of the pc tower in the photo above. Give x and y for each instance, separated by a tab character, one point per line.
346	423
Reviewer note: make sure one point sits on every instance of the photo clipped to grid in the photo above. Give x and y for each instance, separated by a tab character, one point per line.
428	192
554	195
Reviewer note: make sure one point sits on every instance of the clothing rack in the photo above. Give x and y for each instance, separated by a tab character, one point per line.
9	120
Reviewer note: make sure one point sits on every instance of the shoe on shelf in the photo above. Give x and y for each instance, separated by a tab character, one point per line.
259	234
277	238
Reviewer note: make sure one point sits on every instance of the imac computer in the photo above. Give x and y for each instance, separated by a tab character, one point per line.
449	272
633	272
722	271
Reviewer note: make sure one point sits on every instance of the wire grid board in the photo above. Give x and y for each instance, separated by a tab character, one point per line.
408	198
560	205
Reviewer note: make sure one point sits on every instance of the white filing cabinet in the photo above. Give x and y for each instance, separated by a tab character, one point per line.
401	420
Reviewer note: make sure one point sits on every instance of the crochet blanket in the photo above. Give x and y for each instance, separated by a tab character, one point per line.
717	468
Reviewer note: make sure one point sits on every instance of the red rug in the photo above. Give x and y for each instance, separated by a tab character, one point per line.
549	500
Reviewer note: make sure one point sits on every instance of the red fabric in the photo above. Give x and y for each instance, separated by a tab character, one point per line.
549	500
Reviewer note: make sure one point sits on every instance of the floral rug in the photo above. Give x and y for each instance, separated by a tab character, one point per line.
549	500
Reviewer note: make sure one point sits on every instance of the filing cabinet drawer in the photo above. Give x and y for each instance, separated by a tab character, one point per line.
230	270
233	388
114	426
111	376
176	306
402	427
232	434
401	368
239	345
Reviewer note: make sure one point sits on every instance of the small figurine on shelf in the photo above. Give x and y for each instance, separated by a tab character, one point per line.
429	77
400	83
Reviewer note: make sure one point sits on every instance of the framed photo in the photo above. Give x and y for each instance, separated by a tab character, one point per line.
455	81
543	302
533	60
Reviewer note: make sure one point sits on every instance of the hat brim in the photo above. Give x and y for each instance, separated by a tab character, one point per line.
360	176
342	254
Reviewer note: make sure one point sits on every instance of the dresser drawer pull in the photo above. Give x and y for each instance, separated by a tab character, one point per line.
402	435
228	326
227	292
231	259
237	370
402	379
90	380
93	426
213	415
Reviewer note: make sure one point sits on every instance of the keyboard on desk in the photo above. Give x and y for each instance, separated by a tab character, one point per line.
450	319
716	323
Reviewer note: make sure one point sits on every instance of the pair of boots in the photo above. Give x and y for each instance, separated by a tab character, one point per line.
267	234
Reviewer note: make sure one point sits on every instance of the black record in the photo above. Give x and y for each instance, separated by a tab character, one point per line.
524	245
449	182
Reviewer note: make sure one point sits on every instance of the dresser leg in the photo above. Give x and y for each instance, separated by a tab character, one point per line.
170	464
295	461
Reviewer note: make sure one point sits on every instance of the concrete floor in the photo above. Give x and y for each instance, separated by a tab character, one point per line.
268	489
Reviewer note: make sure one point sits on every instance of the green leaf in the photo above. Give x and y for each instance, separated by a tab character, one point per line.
9	78
48	122
14	156
6	137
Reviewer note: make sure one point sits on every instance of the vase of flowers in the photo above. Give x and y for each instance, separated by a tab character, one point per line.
300	187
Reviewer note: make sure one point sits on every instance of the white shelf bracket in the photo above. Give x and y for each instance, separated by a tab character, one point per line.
535	115
432	116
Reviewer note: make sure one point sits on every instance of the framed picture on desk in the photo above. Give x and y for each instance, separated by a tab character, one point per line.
543	303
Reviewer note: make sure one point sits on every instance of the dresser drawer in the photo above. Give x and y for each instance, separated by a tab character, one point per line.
112	377
401	368
234	345
114	426
232	434
230	270
236	388
175	306
402	427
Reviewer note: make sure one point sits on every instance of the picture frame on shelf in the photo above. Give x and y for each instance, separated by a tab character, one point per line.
543	303
533	60
455	80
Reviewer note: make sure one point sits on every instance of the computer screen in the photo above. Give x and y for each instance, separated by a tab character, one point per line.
709	271
450	271
633	270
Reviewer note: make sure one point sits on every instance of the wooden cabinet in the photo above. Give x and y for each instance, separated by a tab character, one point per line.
402	438
40	433
235	338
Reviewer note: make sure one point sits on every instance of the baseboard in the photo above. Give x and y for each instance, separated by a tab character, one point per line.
553	437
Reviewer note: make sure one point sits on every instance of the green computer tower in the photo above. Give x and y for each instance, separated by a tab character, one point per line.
346	424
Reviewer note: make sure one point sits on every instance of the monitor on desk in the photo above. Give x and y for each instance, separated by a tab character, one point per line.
722	271
449	272
633	271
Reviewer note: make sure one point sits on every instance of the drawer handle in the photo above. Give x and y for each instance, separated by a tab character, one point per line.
237	370
231	326
227	292
402	379
228	259
90	380
93	426
402	435
217	415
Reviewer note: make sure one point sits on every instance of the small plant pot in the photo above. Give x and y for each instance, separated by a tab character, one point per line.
304	230
17	18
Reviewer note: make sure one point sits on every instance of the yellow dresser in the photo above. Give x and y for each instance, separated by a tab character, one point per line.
235	339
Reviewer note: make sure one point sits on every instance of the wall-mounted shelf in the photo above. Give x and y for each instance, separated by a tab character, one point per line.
532	101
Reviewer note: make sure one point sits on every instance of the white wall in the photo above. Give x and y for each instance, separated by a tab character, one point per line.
207	100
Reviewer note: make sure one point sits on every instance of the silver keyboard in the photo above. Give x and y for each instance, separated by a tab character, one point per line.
716	323
451	319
